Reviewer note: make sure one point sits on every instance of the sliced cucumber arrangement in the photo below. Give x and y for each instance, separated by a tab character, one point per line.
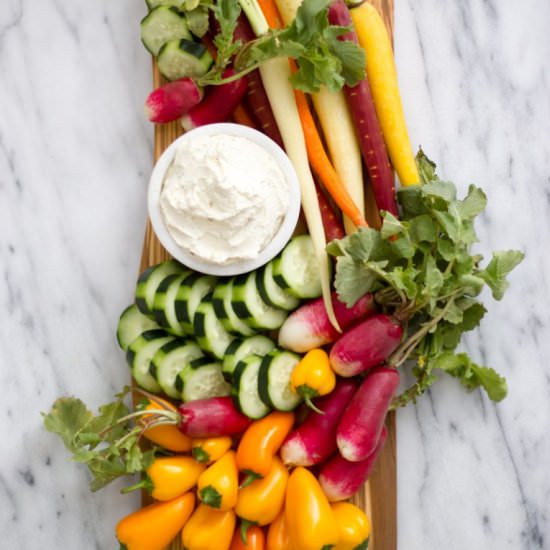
192	290
296	269
274	380
164	23
241	348
208	329
245	389
202	379
179	58
149	281
249	306
164	303
271	293
139	355
171	359
131	324
221	300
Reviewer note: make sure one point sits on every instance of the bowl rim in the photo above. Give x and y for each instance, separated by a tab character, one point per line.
279	240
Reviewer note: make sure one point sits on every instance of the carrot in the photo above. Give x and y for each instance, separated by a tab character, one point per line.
271	13
338	131
322	166
366	124
382	75
241	116
331	222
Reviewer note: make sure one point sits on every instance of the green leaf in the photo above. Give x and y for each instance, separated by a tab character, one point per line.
402	246
472	316
423	229
391	226
449	224
441	190
404	279
67	418
350	55
353	280
501	264
473	204
363	244
426	167
446	249
411	201
471	375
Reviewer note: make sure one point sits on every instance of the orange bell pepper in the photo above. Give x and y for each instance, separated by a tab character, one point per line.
261	501
208	528
210	449
313	376
218	485
154	527
310	519
260	442
167	436
353	524
278	537
255	539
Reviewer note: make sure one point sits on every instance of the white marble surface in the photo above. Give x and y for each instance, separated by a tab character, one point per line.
75	154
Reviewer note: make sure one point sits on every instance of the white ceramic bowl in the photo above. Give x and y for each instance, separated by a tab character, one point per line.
280	238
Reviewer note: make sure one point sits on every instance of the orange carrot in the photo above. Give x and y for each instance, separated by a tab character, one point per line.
241	116
322	166
271	13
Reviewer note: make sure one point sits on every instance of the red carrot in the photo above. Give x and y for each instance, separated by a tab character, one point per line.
332	224
371	142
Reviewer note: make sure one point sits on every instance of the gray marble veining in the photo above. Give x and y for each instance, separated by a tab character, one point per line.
75	155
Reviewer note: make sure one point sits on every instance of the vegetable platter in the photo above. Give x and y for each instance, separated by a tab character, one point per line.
262	410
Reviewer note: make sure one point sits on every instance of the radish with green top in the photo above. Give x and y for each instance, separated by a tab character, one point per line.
361	424
341	479
309	326
171	101
315	439
366	345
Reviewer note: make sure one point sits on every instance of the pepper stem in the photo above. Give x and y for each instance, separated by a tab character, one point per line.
308	393
245	524
145	483
211	497
250	477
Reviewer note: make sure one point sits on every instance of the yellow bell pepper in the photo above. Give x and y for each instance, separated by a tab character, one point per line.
208	529
353	524
260	442
169	477
261	501
278	537
210	449
156	525
313	376
309	517
218	485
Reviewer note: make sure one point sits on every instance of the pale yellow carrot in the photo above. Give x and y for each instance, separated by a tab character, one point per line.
382	75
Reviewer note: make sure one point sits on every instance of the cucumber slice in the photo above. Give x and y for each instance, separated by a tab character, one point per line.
209	332
139	355
241	348
170	360
131	324
149	281
271	293
164	303
202	379
162	25
245	387
221	300
296	269
249	306
179	58
274	380
192	290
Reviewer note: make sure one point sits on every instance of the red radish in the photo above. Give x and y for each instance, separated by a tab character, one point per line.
315	439
171	101
212	417
341	479
219	103
332	224
256	98
361	424
309	326
368	129
366	345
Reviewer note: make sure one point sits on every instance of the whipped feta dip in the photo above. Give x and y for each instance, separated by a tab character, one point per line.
223	198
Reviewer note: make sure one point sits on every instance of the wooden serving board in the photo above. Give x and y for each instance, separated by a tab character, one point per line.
379	496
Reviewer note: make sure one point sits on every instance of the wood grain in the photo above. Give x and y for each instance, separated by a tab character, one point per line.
379	496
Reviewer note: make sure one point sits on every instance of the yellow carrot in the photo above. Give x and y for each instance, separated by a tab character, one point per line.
382	75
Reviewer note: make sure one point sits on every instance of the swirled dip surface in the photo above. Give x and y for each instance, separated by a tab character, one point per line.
224	198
